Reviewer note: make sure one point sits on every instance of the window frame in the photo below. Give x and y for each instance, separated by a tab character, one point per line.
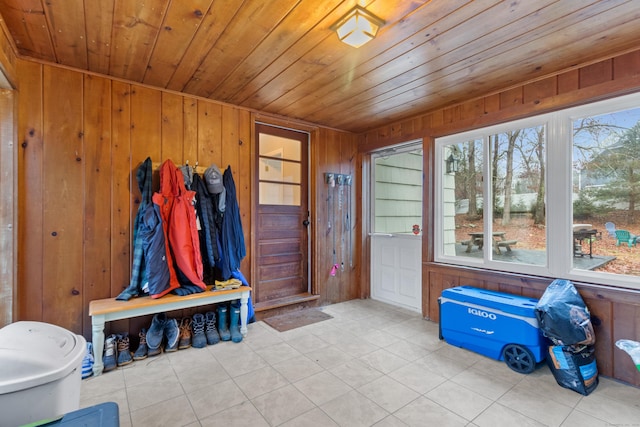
559	212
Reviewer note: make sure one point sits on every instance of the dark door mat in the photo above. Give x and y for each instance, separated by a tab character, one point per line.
296	319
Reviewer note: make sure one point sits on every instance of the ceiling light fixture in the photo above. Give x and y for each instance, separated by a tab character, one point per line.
357	27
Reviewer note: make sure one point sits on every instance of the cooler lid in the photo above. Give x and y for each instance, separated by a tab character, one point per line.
508	303
36	353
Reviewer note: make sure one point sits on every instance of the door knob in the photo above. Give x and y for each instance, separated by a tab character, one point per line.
305	222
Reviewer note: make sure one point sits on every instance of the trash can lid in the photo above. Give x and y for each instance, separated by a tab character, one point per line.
35	353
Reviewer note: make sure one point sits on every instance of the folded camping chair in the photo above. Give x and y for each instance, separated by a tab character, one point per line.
611	228
624	236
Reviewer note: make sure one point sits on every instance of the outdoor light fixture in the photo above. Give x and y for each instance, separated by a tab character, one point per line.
452	164
357	27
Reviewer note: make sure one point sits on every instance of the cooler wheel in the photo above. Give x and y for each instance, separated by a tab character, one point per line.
519	358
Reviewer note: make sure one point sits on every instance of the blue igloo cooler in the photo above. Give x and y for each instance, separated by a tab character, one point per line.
495	324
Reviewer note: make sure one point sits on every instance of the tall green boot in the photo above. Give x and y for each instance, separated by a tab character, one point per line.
223	328
234	327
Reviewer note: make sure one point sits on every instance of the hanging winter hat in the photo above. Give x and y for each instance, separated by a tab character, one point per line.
213	179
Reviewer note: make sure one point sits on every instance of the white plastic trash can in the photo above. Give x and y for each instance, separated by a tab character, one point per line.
40	372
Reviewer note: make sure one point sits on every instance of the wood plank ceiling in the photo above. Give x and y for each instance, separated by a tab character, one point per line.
281	57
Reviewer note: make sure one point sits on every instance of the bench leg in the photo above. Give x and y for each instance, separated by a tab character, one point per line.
97	338
244	312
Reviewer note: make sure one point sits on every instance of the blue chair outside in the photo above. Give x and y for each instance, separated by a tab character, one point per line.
623	236
611	228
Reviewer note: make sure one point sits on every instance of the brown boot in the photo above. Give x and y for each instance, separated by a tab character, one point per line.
141	352
124	354
185	333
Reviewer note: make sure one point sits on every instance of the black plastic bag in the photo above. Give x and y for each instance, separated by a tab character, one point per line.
574	367
562	315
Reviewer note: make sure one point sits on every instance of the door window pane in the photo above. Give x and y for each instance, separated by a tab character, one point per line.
279	170
279	194
398	192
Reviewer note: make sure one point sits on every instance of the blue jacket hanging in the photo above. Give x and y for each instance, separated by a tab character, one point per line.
150	264
232	235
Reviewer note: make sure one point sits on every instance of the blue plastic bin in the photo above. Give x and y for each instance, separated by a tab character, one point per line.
495	324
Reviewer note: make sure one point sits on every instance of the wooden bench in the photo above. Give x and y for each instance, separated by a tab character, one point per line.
108	309
506	244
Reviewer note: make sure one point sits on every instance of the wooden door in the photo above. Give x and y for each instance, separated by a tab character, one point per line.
282	238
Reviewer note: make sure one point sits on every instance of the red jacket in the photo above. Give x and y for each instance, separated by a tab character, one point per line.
177	207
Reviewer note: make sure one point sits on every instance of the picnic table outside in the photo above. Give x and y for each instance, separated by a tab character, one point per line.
499	240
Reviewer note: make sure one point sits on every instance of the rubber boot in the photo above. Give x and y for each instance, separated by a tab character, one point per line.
223	328
234	326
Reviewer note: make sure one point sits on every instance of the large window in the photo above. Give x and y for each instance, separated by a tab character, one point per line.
556	195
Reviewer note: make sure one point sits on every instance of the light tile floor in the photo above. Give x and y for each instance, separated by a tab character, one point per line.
371	364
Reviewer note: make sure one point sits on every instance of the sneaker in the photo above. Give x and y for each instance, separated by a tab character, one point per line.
124	354
211	331
198	339
185	333
141	352
155	334
109	358
172	333
87	362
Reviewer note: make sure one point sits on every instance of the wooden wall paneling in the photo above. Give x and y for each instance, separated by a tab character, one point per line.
98	15
212	26
602	321
137	23
172	135
594	74
326	259
243	183
511	97
254	23
537	90
182	21
626	325
229	146
190	131
348	151
146	141
63	174
7	54
569	81
437	282
29	295
146	130
8	205
96	281
28	35
491	103
123	181
627	65
320	226
472	109
209	134
70	49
